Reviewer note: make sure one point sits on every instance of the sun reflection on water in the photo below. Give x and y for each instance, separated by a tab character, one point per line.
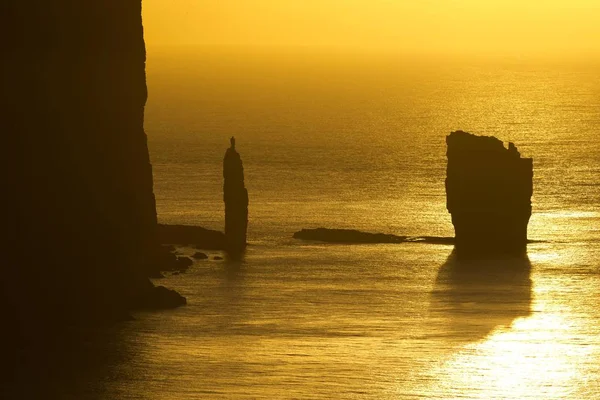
535	357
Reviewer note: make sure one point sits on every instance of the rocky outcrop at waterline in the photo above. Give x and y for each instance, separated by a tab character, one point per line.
352	236
488	193
235	197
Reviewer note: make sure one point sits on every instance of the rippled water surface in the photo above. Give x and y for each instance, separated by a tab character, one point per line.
347	141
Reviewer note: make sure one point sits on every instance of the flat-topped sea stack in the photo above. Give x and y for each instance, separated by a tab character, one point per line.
235	196
488	194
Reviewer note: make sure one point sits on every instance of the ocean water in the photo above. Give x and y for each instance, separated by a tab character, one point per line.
358	141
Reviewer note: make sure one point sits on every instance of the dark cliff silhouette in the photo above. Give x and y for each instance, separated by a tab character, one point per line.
488	192
80	212
235	197
473	297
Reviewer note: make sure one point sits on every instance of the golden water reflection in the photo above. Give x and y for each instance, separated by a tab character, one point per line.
528	359
531	345
472	298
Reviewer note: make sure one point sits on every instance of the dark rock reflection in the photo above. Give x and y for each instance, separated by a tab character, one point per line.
474	297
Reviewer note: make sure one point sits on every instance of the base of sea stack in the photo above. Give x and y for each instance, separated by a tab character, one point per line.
487	234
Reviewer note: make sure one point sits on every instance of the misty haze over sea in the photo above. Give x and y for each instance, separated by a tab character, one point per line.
346	140
358	140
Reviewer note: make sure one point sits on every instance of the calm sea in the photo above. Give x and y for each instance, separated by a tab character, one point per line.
358	141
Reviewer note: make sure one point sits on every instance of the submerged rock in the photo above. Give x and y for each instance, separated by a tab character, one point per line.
168	260
235	197
184	263
352	236
200	256
488	192
347	236
162	298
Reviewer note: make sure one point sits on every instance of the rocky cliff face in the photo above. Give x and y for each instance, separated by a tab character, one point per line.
81	213
235	196
488	191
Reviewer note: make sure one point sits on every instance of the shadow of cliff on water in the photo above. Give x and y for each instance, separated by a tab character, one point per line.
78	363
471	298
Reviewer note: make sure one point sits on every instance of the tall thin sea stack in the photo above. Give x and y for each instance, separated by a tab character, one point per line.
235	196
488	193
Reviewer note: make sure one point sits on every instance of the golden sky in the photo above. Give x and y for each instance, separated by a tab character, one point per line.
430	26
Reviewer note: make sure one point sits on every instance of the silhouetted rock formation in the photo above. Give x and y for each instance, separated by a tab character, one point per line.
162	298
80	210
196	236
347	236
200	256
235	196
353	236
488	191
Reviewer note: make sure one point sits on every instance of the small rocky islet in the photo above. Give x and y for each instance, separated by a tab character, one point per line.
488	194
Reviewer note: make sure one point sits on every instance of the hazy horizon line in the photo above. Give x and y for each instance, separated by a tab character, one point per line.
317	49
